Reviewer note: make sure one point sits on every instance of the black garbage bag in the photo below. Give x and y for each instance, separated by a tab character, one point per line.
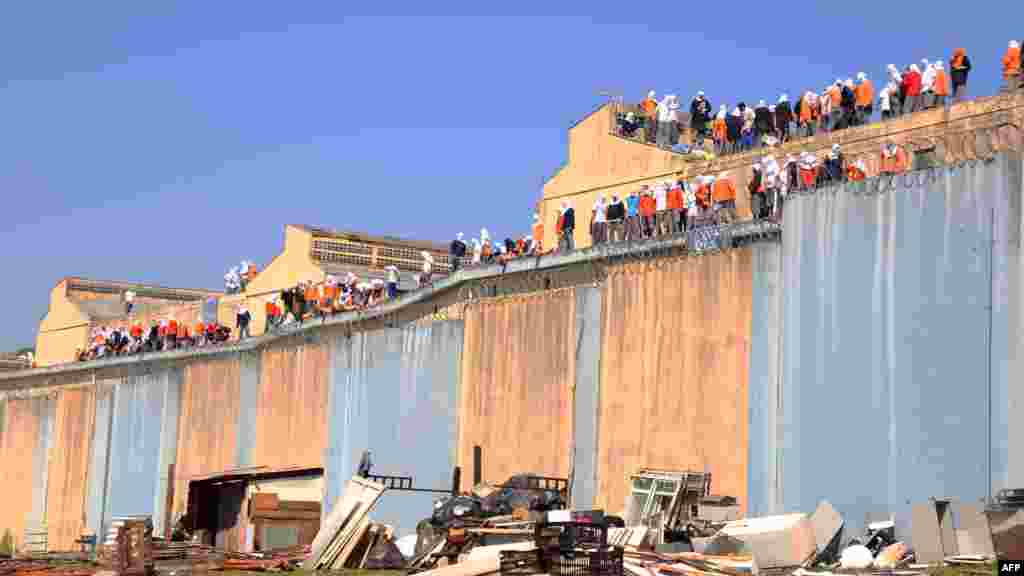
450	509
384	556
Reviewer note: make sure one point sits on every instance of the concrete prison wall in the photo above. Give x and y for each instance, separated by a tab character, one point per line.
871	357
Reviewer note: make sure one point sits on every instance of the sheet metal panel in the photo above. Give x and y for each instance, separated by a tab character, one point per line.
43	408
886	343
18	441
394	392
291	409
248	392
586	396
69	467
763	472
515	396
206	424
99	459
136	444
674	366
162	520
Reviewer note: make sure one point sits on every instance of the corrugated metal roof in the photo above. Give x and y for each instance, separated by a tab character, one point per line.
374	239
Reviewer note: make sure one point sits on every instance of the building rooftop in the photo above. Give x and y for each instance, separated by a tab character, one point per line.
114	287
375	239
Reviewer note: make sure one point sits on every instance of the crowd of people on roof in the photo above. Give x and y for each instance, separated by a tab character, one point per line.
667	208
165	334
841	104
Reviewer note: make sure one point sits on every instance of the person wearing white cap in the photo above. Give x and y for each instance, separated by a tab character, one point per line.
668	113
537	235
1011	66
662	216
700	117
927	86
649	106
864	96
456	252
477	251
940	85
885	100
832	171
830	111
718	130
392	271
428	267
598	221
771	177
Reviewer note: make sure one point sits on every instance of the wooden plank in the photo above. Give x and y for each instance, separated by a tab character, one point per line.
360	493
471	567
354	537
339	541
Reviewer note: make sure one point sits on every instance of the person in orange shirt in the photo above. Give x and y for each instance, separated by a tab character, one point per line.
312	296
182	336
199	333
537	234
1011	66
718	131
674	200
649	106
272	313
856	171
894	158
940	86
864	95
648	208
723	192
171	337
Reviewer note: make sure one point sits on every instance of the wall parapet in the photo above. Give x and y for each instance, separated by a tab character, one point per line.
653	248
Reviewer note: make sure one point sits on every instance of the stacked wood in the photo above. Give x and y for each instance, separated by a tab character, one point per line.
346	527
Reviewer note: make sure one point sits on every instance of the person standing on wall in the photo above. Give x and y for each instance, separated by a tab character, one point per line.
959	68
568	219
456	252
242	319
616	219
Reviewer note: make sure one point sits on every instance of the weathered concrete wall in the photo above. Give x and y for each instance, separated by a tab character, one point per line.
515	401
832	365
895	369
674	365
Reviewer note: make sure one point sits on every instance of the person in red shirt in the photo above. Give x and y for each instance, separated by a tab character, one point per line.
912	90
272	315
648	208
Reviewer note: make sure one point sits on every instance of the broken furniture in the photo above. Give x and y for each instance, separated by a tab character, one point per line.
677	505
128	548
345	527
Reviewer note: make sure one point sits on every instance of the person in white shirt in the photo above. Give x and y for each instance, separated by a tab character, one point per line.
392	271
129	301
662	216
599	221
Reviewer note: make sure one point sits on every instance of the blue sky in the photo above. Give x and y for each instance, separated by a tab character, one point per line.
164	142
